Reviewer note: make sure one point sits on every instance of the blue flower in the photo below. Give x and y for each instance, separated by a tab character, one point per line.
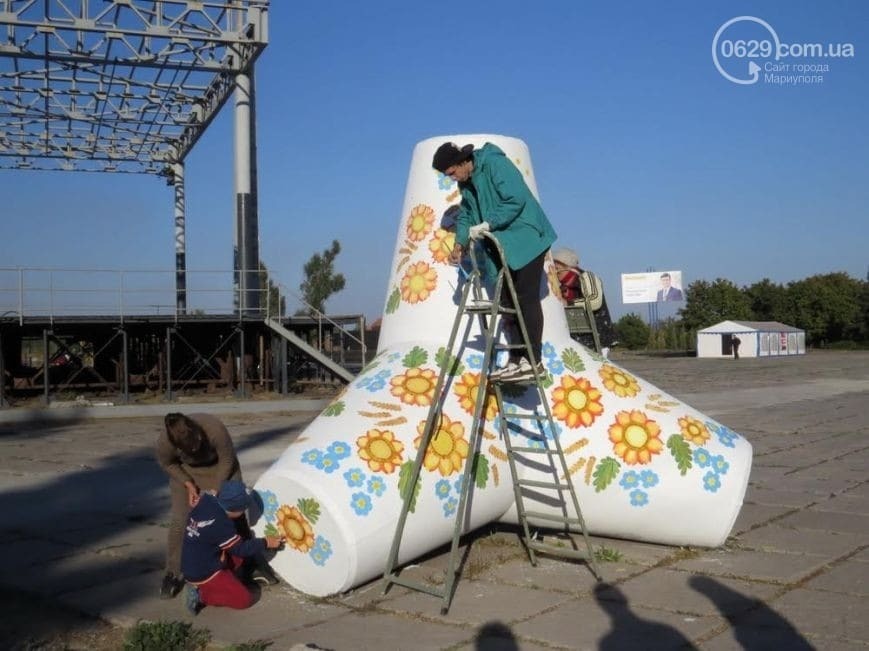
270	505
458	484
631	479
444	182
321	551
339	450
711	481
355	477
725	436
514	426
555	366
720	465
649	478
442	489
549	429
549	351
328	463
312	457
450	506
393	357
376	486
702	457
361	503
475	362
639	498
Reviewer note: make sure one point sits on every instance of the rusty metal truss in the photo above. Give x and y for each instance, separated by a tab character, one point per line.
118	85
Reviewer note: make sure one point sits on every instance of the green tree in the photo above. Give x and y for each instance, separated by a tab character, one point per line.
828	307
709	303
321	281
632	332
768	301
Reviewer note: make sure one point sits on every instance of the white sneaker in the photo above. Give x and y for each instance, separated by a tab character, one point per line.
510	369
523	372
605	351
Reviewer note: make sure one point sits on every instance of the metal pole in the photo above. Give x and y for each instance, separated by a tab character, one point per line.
168	364
180	241
285	388
241	392
45	366
126	368
3	402
246	258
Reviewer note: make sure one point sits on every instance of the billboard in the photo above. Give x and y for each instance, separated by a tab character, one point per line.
652	287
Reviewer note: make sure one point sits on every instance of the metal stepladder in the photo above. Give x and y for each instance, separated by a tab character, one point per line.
472	303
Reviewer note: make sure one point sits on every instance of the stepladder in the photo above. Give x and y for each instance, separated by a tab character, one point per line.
538	470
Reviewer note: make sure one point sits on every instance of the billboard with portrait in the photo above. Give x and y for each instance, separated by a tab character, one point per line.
652	286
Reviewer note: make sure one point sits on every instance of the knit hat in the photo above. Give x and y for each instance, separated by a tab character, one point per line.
566	256
449	154
233	496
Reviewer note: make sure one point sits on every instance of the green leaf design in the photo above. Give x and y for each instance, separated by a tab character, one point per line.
310	508
416	357
451	362
681	452
404	474
394	300
547	380
271	530
334	409
572	360
481	470
606	471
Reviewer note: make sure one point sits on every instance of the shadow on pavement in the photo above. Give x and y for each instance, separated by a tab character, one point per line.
630	631
495	636
755	625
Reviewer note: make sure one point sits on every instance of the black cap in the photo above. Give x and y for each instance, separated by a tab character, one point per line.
449	154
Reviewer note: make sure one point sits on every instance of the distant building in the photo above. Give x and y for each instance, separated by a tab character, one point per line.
756	339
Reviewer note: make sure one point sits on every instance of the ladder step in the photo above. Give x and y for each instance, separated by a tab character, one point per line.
530	450
413	585
552	517
538	417
553	550
486	308
509	346
533	483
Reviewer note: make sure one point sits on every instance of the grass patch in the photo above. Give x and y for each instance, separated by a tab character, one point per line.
607	555
166	636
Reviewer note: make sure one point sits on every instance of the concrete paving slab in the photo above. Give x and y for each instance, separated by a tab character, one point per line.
753	565
845	503
776	538
20	553
826	521
741	636
848	577
550	574
779	496
755	515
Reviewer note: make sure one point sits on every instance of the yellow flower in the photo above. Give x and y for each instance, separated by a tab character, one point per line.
295	528
448	447
418	282
466	390
442	244
415	387
620	382
419	223
693	430
635	437
380	450
576	402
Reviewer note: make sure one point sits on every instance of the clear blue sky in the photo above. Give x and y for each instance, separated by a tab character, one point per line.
645	156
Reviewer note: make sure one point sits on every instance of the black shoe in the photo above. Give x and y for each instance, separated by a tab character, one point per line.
171	586
264	575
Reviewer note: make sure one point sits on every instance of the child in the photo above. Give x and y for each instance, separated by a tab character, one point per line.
213	552
567	268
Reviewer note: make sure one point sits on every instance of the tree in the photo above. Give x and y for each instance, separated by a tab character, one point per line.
828	307
709	303
632	332
768	301
321	281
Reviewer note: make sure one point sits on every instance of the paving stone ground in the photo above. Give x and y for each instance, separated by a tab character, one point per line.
85	507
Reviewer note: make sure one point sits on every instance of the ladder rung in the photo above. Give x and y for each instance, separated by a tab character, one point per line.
413	585
526	417
533	483
526	449
509	346
552	517
564	552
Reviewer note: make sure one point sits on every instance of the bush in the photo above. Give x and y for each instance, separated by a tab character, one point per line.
165	636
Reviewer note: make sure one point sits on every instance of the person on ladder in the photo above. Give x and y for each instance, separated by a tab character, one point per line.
496	200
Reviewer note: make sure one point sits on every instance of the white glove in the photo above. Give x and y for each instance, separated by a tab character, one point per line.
476	231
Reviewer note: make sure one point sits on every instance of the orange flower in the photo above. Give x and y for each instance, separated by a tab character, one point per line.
418	282
693	430
442	244
381	450
448	447
466	390
419	223
620	382
576	402
415	387
295	528
635	437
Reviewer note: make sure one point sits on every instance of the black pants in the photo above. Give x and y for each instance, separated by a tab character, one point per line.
526	280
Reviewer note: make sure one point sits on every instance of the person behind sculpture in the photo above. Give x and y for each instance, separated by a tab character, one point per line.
496	200
197	453
734	343
214	553
568	271
667	291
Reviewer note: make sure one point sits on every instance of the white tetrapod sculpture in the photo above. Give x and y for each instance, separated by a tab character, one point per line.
645	465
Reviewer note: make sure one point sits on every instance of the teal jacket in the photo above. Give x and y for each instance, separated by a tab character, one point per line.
497	193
